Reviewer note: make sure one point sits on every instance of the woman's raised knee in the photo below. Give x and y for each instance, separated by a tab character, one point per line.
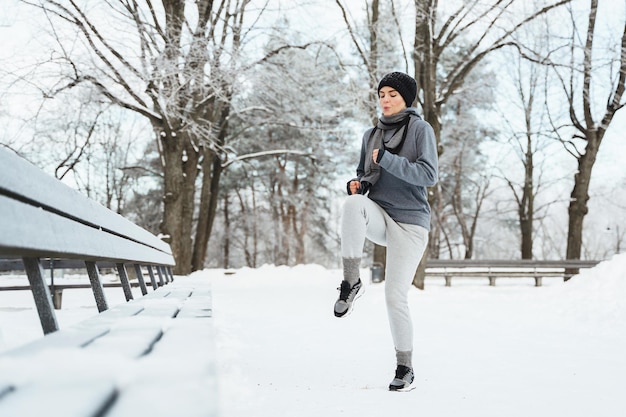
355	203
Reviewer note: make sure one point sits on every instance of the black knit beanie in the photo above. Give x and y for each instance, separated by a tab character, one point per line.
402	83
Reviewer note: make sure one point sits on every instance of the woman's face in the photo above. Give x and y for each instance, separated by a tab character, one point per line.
391	102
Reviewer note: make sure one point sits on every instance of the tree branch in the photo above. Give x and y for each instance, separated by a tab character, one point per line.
254	155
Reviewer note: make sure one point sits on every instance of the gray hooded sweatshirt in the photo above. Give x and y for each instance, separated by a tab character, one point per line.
405	173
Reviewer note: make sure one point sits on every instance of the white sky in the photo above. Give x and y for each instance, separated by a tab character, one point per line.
22	39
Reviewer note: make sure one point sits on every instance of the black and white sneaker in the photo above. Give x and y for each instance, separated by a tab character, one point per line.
403	380
347	295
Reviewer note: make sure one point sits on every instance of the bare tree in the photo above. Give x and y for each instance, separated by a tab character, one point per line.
589	127
526	142
468	221
283	192
465	173
473	31
177	64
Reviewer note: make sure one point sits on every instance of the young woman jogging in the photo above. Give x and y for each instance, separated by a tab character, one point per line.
388	205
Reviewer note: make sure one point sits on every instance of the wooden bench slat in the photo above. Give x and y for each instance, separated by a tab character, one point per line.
198	305
127	342
8	264
110	316
145	334
56	236
199	356
69	338
194	393
59	399
32	184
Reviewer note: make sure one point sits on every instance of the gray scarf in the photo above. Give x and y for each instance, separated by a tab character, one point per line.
398	122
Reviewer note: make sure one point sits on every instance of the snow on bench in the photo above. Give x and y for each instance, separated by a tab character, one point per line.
492	269
150	356
42	218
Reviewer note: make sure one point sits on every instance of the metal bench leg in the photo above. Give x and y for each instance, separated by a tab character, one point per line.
96	286
166	275
160	274
537	281
448	279
492	281
121	269
142	283
152	277
41	293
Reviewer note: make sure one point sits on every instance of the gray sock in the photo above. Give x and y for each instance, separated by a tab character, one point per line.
351	270
405	358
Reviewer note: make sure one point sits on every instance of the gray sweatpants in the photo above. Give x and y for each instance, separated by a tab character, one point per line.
362	218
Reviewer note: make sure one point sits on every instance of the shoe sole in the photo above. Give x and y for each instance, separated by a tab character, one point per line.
356	297
411	387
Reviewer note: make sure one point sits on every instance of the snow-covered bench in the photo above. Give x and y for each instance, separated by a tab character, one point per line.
42	218
152	355
495	269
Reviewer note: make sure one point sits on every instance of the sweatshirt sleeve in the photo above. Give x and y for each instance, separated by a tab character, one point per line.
360	171
422	168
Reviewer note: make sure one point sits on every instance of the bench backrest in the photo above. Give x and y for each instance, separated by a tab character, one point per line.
42	217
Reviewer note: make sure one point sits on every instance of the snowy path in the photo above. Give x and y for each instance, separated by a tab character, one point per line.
512	350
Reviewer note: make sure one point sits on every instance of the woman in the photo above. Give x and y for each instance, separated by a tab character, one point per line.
398	161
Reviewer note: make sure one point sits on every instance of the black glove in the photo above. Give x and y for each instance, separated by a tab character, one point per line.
363	188
348	185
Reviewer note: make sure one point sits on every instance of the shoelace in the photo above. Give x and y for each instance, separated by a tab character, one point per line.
399	372
345	291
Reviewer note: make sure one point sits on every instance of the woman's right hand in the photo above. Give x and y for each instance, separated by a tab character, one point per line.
354	187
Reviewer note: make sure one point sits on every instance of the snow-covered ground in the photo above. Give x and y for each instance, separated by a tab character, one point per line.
510	350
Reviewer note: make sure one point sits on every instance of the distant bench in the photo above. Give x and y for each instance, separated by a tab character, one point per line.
495	269
151	356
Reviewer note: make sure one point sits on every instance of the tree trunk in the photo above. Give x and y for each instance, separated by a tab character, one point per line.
298	217
426	63
209	197
190	174
226	242
380	252
527	206
593	133
173	202
580	196
425	66
379	256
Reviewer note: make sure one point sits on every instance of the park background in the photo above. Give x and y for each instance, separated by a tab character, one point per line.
231	128
231	132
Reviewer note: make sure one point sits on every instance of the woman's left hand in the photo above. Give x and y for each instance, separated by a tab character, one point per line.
375	156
